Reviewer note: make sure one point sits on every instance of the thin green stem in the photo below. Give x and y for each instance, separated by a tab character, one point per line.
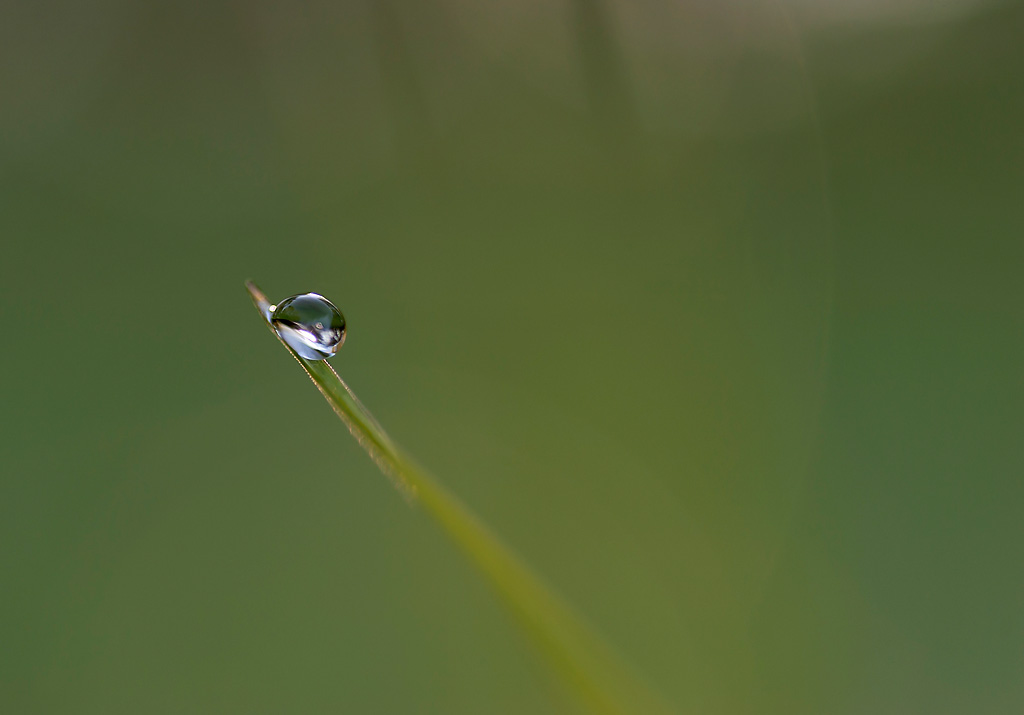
578	655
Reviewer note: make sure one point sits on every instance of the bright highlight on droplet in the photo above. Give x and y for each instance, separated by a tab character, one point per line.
310	325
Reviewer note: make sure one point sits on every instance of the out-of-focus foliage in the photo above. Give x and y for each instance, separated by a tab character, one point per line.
713	311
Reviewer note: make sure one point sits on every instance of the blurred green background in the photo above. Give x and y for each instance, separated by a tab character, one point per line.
713	310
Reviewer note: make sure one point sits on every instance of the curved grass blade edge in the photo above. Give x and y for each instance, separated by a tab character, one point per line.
578	656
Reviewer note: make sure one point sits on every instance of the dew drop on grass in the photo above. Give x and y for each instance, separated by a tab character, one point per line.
310	324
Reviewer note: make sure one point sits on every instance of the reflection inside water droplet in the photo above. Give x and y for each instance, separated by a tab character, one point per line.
310	324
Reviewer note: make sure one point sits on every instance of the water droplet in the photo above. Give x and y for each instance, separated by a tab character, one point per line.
310	324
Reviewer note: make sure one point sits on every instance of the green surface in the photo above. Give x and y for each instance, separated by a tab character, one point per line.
714	313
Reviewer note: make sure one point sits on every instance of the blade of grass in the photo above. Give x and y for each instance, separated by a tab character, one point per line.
577	655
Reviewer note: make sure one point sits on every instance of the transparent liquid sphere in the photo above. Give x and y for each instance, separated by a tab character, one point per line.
310	324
